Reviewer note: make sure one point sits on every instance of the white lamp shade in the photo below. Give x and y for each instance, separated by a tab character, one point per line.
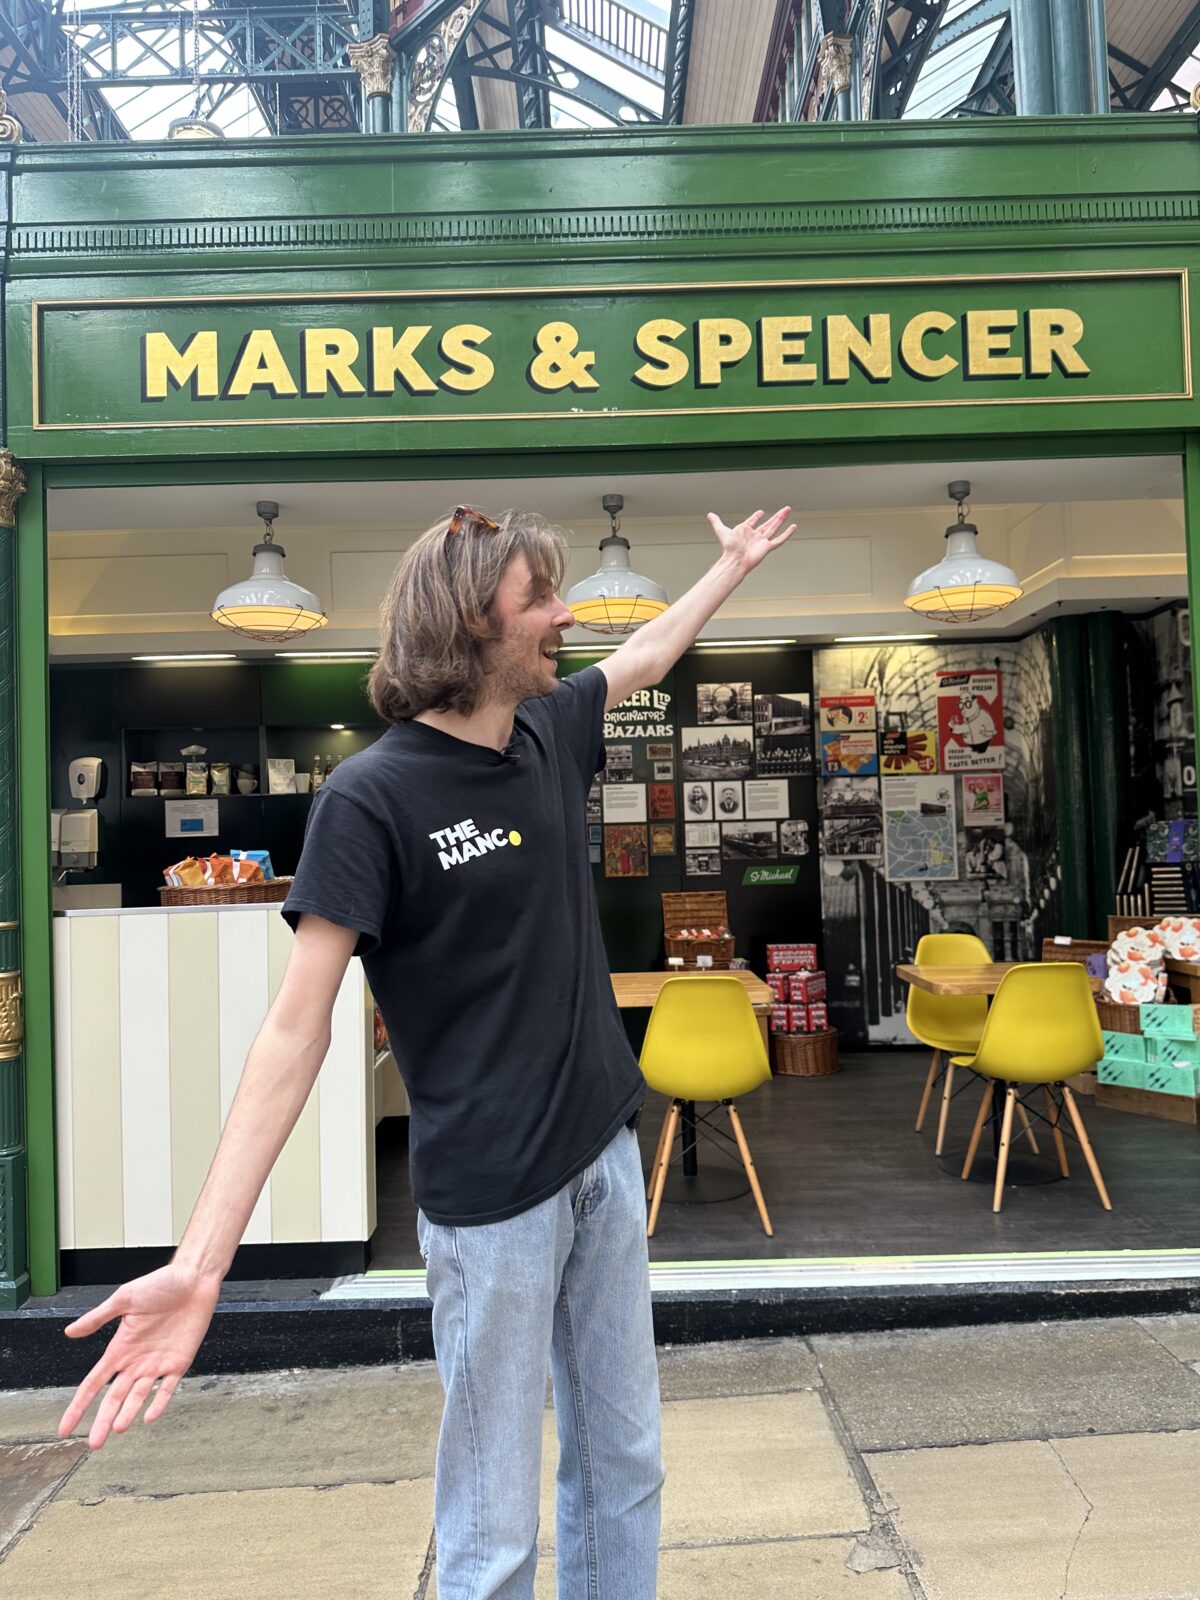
964	586
267	605
616	599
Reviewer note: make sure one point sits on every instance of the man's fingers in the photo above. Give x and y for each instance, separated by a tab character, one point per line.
133	1403
118	1389
159	1404
769	527
781	538
83	1397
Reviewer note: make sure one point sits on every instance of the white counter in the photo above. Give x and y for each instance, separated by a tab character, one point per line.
156	1008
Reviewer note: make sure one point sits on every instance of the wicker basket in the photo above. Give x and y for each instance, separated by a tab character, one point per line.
229	894
1078	950
706	910
1116	1018
805	1055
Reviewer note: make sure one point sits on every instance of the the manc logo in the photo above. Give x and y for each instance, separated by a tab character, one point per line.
464	842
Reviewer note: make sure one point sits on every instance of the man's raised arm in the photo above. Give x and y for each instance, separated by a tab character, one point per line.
653	650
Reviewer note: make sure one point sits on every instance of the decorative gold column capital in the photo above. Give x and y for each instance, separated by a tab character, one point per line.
834	64
375	62
12	487
10	129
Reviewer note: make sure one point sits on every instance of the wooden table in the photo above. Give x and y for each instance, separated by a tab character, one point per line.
983	979
640	989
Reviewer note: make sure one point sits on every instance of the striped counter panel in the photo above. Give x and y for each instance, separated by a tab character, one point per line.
155	1012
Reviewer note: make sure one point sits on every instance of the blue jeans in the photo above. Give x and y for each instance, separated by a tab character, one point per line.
561	1288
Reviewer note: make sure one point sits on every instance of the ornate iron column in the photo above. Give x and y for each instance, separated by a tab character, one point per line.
835	71
14	1213
375	63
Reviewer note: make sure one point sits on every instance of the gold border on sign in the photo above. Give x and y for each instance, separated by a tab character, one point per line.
543	290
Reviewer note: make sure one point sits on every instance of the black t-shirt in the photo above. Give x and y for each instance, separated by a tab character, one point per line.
465	871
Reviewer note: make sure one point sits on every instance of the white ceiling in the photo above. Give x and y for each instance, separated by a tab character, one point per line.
672	496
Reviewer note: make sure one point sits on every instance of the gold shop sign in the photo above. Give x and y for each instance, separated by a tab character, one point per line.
461	355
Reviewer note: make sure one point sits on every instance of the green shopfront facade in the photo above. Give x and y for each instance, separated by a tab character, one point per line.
392	308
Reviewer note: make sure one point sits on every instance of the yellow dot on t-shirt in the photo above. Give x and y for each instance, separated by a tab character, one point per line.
514	837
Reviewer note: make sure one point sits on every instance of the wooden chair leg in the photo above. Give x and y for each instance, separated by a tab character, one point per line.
1010	1100
666	1144
662	1138
935	1066
1060	1144
977	1130
944	1115
1088	1153
748	1163
1027	1127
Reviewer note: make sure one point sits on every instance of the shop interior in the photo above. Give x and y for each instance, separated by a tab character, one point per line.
140	676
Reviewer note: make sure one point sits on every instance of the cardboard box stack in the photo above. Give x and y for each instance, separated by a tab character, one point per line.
799	989
1164	1058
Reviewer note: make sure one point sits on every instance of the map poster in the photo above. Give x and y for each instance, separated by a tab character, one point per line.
920	833
970	722
854	754
904	753
841	713
983	800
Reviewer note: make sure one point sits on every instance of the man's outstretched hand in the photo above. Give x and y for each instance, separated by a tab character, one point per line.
753	539
164	1316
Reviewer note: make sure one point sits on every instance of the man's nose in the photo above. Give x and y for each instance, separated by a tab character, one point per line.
563	618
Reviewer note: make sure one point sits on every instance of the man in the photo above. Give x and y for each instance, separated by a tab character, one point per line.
452	857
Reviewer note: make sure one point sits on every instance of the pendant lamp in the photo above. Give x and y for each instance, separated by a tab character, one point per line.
964	586
266	605
616	599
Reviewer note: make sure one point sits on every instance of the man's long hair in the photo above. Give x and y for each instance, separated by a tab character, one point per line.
436	618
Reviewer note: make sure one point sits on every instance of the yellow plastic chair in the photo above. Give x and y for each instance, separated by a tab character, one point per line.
951	1025
1042	1028
703	1042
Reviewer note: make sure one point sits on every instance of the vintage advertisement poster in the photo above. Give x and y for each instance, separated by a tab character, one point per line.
626	852
854	755
843	713
983	800
920	833
908	754
970	722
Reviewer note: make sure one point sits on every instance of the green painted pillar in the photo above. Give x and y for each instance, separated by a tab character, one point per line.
1191	521
1068	677
1033	58
1107	709
14	1213
1071	42
1099	43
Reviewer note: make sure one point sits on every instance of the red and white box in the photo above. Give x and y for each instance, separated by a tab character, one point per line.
798	1019
805	987
777	982
792	957
780	1019
818	1017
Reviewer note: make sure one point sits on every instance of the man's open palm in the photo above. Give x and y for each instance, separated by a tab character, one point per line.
753	539
164	1316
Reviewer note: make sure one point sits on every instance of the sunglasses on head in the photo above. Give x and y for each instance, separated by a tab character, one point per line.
467	520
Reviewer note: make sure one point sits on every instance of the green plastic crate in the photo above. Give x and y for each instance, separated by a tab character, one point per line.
1168	1022
1185	1052
1122	1074
1166	1077
1125	1046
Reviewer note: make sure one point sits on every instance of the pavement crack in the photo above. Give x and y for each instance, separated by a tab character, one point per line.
1082	1526
883	1537
426	1573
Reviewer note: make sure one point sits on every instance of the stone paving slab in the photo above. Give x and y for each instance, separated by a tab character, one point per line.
741	1367
803	1569
1106	1518
29	1475
274	1430
1015	1381
358	1542
762	1467
1178	1334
